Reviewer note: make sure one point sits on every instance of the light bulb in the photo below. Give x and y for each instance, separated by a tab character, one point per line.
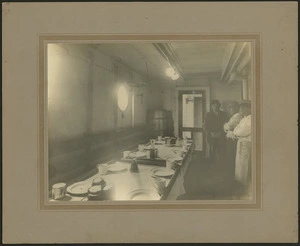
175	76
170	71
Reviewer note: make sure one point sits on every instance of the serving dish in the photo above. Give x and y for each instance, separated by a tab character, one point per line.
158	172
114	168
143	194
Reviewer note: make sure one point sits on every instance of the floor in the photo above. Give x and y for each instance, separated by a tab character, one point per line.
205	180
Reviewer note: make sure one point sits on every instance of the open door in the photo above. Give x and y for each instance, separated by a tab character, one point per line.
191	116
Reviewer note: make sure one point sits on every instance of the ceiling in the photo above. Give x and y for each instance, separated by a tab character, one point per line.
200	57
192	59
141	57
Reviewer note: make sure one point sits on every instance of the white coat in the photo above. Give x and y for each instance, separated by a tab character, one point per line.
243	154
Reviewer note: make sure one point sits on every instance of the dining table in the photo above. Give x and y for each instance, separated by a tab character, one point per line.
125	184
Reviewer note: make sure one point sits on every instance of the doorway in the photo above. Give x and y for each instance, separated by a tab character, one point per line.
192	110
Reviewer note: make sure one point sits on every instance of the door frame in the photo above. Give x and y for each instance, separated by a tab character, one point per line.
181	128
206	90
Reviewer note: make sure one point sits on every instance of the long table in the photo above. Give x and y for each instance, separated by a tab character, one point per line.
126	182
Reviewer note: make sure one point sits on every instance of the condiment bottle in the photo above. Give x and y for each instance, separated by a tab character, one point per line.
152	141
134	166
153	153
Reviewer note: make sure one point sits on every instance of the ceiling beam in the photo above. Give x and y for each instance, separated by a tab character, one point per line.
168	53
238	53
215	74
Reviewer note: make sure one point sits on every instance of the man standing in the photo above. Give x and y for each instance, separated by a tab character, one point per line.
215	135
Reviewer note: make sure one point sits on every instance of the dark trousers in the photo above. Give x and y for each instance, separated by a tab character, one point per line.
217	149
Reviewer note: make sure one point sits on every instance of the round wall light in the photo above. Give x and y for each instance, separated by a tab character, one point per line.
122	98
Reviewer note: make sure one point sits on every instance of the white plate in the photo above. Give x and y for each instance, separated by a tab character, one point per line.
138	155
117	168
177	159
79	189
141	155
143	194
163	173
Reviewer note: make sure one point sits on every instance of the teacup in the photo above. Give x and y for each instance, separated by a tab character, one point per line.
160	184
173	140
126	154
170	163
167	140
141	147
102	168
58	191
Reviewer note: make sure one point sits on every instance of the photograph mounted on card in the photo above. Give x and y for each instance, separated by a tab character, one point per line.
117	106
150	122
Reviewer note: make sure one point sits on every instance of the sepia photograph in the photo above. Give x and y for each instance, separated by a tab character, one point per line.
150	120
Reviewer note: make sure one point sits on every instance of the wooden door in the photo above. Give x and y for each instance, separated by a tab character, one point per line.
191	116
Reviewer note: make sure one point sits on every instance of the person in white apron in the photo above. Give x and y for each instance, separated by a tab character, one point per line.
242	132
235	117
231	143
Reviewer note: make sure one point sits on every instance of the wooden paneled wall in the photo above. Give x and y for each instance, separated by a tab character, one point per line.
85	126
73	157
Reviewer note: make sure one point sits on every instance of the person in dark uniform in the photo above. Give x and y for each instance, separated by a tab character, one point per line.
215	135
169	124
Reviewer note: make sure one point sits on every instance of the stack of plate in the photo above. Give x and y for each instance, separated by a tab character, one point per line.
95	193
99	181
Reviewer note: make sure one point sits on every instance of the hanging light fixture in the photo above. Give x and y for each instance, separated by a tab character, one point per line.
175	76
170	71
